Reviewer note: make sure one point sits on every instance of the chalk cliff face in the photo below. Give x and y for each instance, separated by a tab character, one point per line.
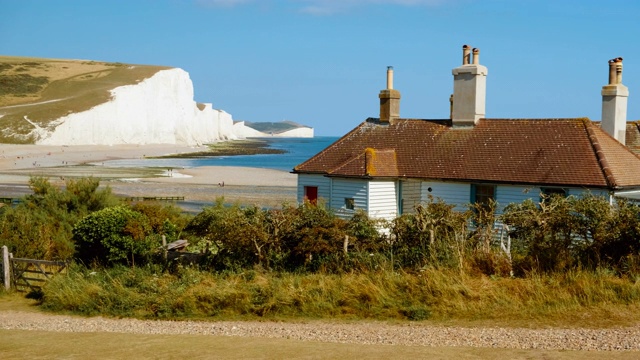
241	130
157	110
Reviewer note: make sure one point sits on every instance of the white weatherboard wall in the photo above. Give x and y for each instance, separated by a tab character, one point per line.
383	200
411	195
322	182
158	110
342	189
458	194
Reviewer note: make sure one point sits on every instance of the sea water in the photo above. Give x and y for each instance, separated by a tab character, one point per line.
297	150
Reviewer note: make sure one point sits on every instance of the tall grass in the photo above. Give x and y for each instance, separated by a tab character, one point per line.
441	295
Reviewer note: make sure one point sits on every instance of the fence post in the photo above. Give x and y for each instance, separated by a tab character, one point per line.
6	267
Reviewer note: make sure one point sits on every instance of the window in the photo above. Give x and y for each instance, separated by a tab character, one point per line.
482	194
349	203
547	193
311	194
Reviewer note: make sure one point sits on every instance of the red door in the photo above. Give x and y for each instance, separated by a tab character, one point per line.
311	194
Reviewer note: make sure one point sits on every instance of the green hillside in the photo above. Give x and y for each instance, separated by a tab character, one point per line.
274	127
46	89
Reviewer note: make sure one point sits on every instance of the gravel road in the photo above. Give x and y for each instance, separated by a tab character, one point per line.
613	339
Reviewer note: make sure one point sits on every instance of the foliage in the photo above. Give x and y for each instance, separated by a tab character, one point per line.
167	220
21	84
114	235
562	233
40	227
433	234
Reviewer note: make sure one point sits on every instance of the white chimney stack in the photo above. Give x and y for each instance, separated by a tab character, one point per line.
614	102
469	89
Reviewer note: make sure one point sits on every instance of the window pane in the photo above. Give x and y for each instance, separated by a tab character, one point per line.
349	203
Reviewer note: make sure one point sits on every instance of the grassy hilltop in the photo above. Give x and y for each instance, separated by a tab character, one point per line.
274	127
44	90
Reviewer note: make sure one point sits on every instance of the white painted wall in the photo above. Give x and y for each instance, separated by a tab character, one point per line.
379	198
450	192
322	182
383	199
348	188
411	195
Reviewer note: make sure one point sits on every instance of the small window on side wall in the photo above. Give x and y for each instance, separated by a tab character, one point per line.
311	194
483	194
548	193
349	203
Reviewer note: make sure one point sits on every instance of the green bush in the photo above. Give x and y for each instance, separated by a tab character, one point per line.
41	226
115	235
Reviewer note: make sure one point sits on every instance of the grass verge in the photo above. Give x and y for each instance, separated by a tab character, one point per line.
572	299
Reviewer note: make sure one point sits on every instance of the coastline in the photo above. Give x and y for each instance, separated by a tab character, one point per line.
246	186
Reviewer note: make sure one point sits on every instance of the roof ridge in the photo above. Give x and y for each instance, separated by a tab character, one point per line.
599	153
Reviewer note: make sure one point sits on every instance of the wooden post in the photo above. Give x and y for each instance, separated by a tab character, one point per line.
345	244
164	247
6	267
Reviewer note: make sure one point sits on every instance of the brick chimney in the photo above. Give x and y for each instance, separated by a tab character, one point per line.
469	89
614	102
389	100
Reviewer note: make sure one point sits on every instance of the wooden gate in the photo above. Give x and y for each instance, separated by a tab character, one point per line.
30	274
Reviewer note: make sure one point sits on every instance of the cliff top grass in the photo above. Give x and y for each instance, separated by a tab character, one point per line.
43	90
274	127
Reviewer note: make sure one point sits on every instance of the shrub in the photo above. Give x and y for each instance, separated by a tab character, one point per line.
434	234
114	235
41	226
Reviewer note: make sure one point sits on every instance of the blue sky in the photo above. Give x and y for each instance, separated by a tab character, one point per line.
323	62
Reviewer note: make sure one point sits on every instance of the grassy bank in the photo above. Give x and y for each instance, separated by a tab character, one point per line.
575	298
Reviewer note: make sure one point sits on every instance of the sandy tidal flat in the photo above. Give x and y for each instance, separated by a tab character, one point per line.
265	187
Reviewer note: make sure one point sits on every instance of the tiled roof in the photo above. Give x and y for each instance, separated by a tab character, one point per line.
560	152
633	136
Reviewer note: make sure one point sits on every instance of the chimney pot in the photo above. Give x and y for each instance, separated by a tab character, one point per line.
466	50
389	77
619	70
612	71
476	56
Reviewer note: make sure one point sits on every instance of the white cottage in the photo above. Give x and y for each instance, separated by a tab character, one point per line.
388	165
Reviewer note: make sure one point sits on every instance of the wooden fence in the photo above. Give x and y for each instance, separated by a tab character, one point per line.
28	274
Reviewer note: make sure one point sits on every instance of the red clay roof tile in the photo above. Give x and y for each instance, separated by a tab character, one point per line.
561	152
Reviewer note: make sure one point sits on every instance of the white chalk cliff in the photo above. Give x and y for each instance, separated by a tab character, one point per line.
157	110
241	130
